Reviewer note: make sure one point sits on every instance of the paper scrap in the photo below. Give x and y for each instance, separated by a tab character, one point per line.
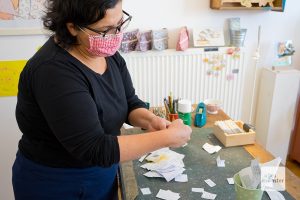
275	195
211	148
145	191
170	175
142	158
210	183
230	181
200	190
207	195
181	178
167	195
152	174
256	173
220	163
127	126
246	178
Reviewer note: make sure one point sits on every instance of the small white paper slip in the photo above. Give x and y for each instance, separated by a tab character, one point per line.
220	163
275	195
230	181
184	145
152	174
145	191
207	195
210	183
127	126
181	178
211	148
142	158
167	195
198	190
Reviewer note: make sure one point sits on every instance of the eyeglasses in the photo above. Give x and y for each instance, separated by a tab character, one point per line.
113	30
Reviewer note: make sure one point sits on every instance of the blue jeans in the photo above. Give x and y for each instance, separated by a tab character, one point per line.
33	181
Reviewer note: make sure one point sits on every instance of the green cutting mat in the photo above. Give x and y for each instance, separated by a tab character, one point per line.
199	166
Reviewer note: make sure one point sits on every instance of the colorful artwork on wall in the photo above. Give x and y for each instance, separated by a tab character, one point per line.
9	76
205	37
21	17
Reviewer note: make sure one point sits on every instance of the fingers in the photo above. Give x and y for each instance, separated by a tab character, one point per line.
167	122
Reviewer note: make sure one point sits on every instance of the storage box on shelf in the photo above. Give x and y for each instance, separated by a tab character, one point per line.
274	5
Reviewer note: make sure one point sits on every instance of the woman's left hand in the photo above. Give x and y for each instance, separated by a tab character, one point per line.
157	123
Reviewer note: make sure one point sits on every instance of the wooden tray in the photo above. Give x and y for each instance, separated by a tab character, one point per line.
238	139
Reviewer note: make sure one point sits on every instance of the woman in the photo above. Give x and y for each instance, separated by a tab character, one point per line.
74	95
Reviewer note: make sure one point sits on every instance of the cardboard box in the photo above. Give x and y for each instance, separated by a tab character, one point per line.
229	140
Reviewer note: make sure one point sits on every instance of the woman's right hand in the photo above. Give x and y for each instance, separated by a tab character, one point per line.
179	133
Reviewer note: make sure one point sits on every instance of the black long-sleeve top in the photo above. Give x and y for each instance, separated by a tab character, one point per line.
70	116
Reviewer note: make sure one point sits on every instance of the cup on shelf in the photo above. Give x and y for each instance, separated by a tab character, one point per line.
237	37
212	105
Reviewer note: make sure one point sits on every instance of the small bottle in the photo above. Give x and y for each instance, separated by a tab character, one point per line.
185	111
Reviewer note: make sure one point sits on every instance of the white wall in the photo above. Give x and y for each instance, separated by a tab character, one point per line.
12	48
172	14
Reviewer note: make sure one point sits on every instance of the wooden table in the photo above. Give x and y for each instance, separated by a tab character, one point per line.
257	151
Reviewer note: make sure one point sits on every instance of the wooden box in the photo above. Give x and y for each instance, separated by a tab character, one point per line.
239	139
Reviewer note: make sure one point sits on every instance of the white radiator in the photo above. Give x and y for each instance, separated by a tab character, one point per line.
185	74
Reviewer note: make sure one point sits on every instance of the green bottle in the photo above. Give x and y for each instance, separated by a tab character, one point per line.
185	111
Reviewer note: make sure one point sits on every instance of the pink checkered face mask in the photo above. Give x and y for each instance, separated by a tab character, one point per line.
104	46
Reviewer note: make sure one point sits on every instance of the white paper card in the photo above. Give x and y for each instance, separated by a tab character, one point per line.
211	148
275	195
210	183
167	195
142	158
198	190
207	195
230	181
127	126
220	163
152	174
256	173
181	178
145	191
246	178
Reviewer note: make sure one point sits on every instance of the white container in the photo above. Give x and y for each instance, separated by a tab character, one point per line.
212	105
184	106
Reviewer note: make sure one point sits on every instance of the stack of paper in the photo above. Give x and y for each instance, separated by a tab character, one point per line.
211	148
165	163
229	126
167	195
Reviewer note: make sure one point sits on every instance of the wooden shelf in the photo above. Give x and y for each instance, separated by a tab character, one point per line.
278	5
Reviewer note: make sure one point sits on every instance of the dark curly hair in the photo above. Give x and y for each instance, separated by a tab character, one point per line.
78	12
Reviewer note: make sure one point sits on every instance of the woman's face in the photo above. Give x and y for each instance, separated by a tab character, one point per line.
113	17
